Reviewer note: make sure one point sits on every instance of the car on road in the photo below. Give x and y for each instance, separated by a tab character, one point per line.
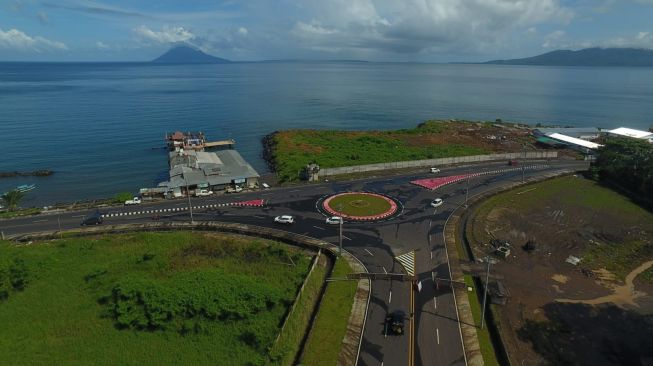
284	219
133	201
203	192
234	189
513	162
334	220
437	202
435	170
394	322
265	185
93	219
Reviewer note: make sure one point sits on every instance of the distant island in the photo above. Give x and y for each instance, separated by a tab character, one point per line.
586	57
184	54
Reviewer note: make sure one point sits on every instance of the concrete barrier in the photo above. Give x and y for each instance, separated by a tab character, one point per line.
325	172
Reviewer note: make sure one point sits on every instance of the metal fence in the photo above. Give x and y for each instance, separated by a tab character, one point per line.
437	162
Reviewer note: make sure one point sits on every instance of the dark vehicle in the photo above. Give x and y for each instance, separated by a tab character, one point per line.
94	219
513	162
394	322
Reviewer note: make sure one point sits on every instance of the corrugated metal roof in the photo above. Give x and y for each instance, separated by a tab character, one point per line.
574	141
629	132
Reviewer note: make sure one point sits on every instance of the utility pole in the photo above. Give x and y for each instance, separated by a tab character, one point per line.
487	278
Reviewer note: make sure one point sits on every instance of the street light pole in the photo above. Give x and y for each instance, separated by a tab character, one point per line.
341	220
190	206
467	191
487	278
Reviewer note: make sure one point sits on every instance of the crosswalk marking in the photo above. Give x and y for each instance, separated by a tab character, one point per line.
408	261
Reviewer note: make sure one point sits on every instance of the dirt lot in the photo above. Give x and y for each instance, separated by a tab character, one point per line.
597	312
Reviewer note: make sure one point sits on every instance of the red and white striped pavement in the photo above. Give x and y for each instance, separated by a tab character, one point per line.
435	183
251	203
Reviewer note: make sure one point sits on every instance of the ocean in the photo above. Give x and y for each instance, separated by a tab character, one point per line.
100	126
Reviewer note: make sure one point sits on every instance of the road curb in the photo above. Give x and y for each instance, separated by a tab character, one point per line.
351	343
466	322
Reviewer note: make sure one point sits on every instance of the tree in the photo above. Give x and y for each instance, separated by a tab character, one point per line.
12	199
628	162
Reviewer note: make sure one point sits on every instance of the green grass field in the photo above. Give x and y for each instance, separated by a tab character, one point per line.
146	298
484	340
296	148
359	204
325	340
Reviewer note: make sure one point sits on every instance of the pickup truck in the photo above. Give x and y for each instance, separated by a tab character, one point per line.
203	193
133	201
235	189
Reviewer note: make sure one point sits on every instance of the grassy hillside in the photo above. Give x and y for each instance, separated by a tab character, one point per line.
291	150
149	298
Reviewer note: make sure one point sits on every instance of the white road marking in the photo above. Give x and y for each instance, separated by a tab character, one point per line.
294	190
267	194
437	335
435	303
368	252
430	222
258	217
344	237
79	216
390	297
433	276
319	228
431	254
182	204
39	221
386	272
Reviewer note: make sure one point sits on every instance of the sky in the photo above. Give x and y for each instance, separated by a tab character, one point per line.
372	30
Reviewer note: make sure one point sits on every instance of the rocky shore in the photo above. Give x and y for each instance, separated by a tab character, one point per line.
35	173
269	143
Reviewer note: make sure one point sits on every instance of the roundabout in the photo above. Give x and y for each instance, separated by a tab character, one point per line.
360	206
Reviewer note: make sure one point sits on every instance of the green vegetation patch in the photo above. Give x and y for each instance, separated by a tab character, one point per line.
485	342
293	149
146	298
360	204
325	340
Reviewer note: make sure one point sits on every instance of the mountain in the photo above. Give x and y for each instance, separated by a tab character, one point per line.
587	57
188	55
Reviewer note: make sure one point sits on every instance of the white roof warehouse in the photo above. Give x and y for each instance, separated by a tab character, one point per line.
629	132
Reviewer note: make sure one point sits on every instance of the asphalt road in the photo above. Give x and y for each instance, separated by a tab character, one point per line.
436	333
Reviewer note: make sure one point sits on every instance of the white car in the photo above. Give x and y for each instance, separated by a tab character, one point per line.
284	219
265	185
435	170
334	220
437	202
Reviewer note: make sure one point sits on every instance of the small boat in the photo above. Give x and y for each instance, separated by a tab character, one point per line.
25	187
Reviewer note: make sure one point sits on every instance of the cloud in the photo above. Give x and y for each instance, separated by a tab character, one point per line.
43	17
166	35
95	8
413	26
14	39
101	45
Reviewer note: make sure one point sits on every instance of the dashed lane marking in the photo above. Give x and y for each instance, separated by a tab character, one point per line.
437	334
368	252
39	221
344	237
319	228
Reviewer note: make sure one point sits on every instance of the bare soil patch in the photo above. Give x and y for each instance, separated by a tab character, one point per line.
611	236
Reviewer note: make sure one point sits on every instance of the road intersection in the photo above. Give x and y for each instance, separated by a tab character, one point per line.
433	335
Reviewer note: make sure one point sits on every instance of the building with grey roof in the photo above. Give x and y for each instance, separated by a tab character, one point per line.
214	170
584	133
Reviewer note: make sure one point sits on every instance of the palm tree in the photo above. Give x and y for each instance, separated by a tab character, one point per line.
12	198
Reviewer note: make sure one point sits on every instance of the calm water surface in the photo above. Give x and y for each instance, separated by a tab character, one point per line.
101	126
